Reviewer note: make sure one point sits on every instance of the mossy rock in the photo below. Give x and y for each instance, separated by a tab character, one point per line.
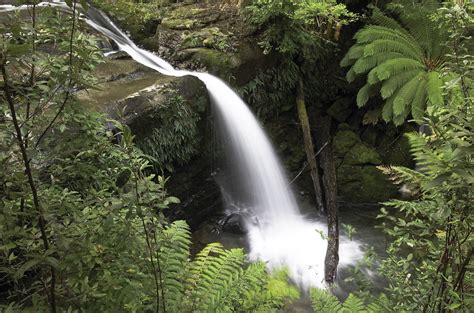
361	154
209	37
341	109
364	184
180	23
216	62
343	141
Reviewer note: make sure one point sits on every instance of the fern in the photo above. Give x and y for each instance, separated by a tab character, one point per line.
405	95
324	302
365	64
401	60
419	101
395	82
217	280
173	256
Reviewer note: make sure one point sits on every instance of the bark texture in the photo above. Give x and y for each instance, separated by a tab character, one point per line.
330	194
308	144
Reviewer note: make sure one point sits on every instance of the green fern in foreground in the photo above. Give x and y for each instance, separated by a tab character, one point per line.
402	61
324	302
216	280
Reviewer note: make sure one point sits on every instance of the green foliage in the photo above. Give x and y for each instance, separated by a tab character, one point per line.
82	224
138	17
297	27
429	261
404	60
175	138
268	91
210	37
323	301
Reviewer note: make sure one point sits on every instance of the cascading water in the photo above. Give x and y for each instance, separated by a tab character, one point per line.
277	232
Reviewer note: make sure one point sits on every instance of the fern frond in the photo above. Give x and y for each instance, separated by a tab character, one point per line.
402	175
351	75
434	89
354	53
391	85
365	64
404	96
354	304
379	18
372	33
173	257
400	119
365	93
387	110
218	279
418	104
323	301
395	66
385	45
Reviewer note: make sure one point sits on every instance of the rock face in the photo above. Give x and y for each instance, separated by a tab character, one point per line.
208	37
359	180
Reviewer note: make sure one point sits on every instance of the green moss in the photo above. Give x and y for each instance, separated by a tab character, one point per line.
216	62
180	23
343	141
210	37
361	154
364	184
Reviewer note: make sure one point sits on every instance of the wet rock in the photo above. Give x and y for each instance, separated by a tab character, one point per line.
235	224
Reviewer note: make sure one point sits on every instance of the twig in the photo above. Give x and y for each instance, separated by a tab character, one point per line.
306	164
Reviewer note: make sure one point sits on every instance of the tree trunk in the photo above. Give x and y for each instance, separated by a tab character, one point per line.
330	192
308	144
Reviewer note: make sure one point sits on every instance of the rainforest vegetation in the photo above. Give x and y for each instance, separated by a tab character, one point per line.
109	171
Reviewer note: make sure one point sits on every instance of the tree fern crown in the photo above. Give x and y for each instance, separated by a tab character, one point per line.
402	60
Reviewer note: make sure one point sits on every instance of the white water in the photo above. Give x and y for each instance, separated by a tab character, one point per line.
277	232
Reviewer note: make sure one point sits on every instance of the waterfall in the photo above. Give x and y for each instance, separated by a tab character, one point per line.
278	233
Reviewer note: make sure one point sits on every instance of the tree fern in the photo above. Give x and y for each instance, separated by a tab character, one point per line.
395	82
401	60
405	96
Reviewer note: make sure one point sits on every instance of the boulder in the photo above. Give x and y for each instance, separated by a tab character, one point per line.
235	224
358	178
343	141
364	184
362	154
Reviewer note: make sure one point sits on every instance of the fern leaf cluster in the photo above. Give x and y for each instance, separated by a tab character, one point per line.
402	60
216	280
323	301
